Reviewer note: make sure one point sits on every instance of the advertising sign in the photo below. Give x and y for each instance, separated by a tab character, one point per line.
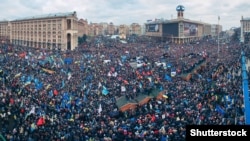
153	28
190	29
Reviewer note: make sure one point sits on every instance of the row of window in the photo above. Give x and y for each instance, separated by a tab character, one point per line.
37	22
44	40
44	36
36	32
25	29
40	25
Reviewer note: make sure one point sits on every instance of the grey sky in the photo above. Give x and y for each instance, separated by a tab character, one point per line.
131	11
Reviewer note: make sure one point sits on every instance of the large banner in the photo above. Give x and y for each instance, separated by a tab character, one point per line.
152	28
190	29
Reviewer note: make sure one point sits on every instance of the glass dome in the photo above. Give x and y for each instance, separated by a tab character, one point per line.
180	8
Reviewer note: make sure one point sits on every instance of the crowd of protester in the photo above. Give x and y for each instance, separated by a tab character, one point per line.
71	95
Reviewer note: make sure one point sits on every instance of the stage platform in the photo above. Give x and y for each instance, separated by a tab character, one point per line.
141	99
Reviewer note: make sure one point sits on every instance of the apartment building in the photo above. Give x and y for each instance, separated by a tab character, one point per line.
123	31
111	29
104	28
135	28
95	29
59	30
82	27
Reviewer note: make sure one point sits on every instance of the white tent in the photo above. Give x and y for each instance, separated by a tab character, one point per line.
114	36
122	41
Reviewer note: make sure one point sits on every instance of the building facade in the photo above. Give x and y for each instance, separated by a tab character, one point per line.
111	29
179	30
46	31
5	27
82	27
245	30
135	28
215	29
123	31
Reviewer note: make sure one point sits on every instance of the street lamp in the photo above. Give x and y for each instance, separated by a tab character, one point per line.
218	51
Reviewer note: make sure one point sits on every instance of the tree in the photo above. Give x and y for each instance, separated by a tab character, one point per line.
236	35
82	39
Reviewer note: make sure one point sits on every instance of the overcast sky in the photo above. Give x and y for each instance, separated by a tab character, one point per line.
131	11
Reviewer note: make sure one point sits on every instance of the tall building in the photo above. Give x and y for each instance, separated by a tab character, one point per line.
111	29
135	28
104	28
82	27
95	29
215	29
245	30
5	30
123	31
179	30
59	30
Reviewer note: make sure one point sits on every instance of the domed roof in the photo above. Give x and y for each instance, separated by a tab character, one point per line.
180	8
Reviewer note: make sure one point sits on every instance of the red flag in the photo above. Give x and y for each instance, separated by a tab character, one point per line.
55	92
41	121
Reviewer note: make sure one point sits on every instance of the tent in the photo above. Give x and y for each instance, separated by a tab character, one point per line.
114	36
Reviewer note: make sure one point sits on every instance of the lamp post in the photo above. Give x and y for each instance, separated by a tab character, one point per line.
218	51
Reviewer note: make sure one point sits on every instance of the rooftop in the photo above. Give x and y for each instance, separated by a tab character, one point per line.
51	15
247	18
175	21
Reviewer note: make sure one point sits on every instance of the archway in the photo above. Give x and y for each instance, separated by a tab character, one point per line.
68	41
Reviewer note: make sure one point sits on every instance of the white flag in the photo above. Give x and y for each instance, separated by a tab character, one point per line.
32	111
123	88
100	109
99	85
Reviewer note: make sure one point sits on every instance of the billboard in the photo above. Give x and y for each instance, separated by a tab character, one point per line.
170	29
190	29
152	28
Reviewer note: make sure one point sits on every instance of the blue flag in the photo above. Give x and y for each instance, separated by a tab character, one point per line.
104	90
168	78
219	110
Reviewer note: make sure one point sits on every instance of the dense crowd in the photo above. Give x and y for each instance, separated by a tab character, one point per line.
71	95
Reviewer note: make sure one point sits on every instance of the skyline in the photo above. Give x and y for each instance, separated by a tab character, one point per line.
131	11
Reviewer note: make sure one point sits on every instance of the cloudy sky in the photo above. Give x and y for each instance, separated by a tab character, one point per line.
131	11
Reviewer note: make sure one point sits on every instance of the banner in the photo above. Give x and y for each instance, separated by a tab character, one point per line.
48	71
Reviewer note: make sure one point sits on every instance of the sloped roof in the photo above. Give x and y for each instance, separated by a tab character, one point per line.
51	15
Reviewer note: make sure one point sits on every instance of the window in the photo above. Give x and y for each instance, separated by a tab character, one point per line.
69	24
